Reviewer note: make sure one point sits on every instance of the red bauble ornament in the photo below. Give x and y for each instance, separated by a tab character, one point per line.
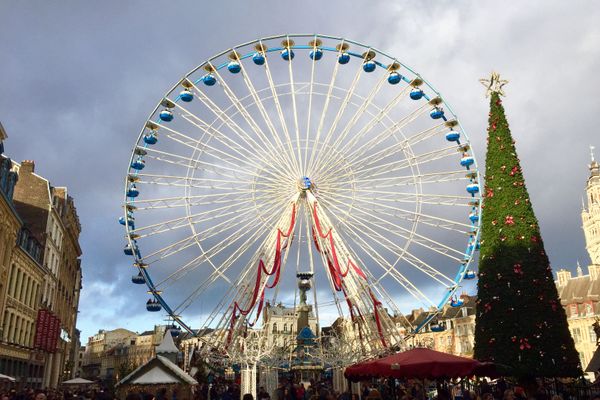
489	193
509	220
524	344
518	269
534	239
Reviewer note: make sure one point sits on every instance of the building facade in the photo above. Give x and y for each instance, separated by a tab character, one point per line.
580	294
40	275
108	354
50	216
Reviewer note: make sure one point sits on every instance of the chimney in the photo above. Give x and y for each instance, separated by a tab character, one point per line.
27	166
563	277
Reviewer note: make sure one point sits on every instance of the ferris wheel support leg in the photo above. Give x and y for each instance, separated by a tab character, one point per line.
248	380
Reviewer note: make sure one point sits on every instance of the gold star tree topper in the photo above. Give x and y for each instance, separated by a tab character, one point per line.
494	84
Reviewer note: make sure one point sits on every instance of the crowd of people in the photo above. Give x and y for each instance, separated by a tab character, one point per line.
319	390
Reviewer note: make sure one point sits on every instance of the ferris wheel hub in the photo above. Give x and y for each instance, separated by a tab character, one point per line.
305	183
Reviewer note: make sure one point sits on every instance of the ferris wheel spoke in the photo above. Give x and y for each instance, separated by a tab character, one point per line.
379	117
280	115
389	210
398	181
309	111
248	118
401	146
351	155
399	165
267	247
265	114
383	263
357	228
236	162
339	114
188	162
358	114
225	118
404	233
295	115
216	249
410	197
328	98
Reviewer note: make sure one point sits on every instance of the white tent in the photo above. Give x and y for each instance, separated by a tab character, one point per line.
77	381
157	371
4	378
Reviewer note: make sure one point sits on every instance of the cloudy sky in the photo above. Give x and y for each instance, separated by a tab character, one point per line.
79	78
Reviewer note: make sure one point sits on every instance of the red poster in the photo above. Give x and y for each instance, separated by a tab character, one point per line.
55	334
39	329
47	325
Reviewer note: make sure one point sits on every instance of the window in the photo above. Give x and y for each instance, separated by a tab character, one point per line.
588	309
274	328
573	312
592	334
576	335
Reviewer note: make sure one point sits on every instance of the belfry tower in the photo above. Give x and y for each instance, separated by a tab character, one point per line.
591	215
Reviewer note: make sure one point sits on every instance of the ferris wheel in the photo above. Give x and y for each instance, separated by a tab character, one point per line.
301	154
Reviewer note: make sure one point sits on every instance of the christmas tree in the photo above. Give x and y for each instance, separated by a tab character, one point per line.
520	322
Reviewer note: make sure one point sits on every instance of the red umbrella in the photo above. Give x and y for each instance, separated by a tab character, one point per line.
419	363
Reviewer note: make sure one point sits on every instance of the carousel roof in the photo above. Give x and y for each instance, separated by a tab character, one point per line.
159	370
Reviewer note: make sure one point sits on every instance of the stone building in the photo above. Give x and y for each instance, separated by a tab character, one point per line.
51	219
453	331
109	353
580	294
280	325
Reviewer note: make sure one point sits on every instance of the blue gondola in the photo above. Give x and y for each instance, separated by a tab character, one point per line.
128	250
394	78
452	136
138	164
316	54
186	95
287	54
436	327
209	80
473	188
234	67
258	58
344	58
436	113
129	220
470	274
416	94
467	161
166	115
455	302
153	306
474	217
369	66
138	279
150	138
133	191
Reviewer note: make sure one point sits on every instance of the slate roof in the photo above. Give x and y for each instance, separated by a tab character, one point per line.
579	289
